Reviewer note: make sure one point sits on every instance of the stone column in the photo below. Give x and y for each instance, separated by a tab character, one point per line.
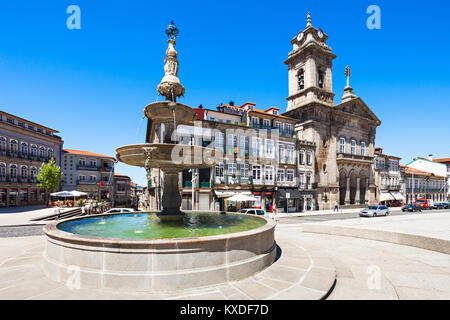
358	190
347	192
171	199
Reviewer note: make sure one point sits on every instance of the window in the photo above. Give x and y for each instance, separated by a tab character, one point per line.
81	177
24	172
92	162
93	178
290	155
280	175
30	127
301	79
279	126
219	143
232	144
9	120
2	170
255	122
256	171
232	169
13	146
42	152
24	148
40	130
21	124
281	155
256	147
290	175
308	158
321	79
302	157
33	150
244	171
269	148
353	147
2	144
50	153
288	129
244	145
301	180
13	171
363	148
219	172
308	180
268	174
341	145
266	123
33	172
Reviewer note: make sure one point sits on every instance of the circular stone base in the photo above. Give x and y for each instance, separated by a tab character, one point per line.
157	265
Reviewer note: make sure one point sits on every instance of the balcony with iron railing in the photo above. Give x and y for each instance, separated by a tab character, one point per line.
390	187
17	179
25	156
423	189
87	182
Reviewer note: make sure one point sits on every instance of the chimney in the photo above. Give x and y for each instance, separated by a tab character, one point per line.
430	157
231	103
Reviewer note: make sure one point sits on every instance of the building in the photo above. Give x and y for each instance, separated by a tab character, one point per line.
88	172
24	147
122	191
388	179
259	148
418	184
343	133
437	168
446	161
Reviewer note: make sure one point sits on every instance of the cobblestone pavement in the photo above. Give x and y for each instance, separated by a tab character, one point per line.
21	231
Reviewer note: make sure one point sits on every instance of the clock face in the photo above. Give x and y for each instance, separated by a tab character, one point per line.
320	34
300	36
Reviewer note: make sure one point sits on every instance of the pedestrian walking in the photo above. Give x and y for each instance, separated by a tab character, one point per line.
83	210
57	212
336	207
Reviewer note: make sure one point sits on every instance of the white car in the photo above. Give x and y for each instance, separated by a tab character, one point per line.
258	212
373	211
120	210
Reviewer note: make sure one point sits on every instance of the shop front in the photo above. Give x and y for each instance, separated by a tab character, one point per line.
264	200
221	203
307	201
13	197
287	200
3	202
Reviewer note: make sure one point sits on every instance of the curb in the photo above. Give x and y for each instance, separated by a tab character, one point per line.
412	240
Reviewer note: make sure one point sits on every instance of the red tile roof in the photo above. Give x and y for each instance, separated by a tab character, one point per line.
442	160
409	170
86	153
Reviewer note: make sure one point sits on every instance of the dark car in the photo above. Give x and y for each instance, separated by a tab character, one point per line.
412	208
437	205
445	205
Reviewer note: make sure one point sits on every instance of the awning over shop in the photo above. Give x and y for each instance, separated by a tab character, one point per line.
283	193
230	193
386	196
397	195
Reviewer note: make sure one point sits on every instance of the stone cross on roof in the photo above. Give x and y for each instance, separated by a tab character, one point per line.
348	74
308	22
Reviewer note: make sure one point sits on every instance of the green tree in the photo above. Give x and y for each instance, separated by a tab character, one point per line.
49	176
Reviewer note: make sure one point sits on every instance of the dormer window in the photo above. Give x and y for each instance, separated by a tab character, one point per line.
301	79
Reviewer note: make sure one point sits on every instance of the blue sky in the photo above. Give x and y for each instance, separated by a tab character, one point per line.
92	84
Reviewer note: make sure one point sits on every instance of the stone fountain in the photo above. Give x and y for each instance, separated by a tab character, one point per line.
161	150
167	250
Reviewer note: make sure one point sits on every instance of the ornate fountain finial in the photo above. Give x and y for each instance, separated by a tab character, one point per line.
348	91
308	21
170	86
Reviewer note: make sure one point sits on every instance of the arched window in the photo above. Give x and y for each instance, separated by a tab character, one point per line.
42	152
33	172
363	148
33	150
2	144
13	146
50	153
24	172
301	79
13	171
321	79
353	147
24	148
341	145
2	170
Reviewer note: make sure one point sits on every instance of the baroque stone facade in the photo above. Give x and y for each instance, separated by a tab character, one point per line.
344	133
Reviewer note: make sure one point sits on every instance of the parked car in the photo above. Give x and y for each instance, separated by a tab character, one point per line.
424	203
373	211
437	205
445	205
411	208
121	210
258	212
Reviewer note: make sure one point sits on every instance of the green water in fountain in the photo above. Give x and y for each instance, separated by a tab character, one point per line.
148	226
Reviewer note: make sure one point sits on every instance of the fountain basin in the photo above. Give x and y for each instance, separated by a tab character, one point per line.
168	157
156	265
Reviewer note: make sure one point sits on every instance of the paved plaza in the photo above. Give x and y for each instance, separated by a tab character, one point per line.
315	261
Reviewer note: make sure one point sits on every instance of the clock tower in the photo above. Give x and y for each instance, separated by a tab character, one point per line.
309	68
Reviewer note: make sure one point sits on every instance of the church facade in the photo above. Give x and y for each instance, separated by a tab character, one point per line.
343	133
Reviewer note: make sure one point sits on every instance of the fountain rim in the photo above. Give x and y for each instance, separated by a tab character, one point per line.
51	230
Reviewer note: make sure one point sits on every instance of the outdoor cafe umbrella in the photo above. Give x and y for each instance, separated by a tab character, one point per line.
61	194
